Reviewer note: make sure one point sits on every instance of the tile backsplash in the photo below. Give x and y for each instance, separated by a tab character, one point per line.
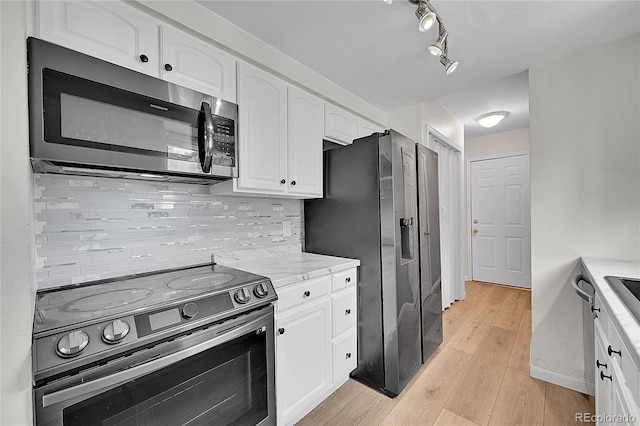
94	228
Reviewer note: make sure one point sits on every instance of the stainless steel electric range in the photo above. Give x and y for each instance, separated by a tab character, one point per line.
185	346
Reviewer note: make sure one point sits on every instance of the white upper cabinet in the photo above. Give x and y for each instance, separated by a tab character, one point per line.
366	128
120	34
343	127
339	125
108	30
280	130
262	131
305	116
193	63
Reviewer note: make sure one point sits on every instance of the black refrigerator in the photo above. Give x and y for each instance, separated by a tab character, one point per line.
380	206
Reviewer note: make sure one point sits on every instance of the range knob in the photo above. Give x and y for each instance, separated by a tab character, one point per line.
71	344
242	296
115	331
189	310
260	290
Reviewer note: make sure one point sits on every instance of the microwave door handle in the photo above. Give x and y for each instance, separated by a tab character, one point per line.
205	137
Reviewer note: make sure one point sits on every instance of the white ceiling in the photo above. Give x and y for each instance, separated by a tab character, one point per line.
376	52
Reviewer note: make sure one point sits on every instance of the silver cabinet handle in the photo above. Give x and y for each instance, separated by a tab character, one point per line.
584	295
205	137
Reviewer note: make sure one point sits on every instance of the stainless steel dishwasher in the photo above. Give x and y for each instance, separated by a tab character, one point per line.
586	291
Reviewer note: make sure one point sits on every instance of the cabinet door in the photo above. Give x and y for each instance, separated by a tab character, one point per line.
108	30
623	410
192	63
339	125
262	134
366	128
604	371
344	311
344	353
303	365
305	119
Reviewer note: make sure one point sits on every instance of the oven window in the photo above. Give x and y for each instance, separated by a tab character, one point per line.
223	385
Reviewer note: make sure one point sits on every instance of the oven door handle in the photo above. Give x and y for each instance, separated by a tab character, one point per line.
583	294
108	382
205	137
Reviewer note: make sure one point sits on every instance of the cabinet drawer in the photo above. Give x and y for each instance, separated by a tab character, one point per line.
627	364
344	279
344	312
303	292
344	355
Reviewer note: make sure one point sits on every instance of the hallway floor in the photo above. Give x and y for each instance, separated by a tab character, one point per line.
478	376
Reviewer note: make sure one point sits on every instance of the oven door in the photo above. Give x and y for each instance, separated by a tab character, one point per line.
221	375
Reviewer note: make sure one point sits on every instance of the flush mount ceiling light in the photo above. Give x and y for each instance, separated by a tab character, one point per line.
491	119
427	16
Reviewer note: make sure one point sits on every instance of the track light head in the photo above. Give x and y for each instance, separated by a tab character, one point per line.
437	48
426	19
449	65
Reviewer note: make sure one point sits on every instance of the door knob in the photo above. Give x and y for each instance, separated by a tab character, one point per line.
475	230
475	220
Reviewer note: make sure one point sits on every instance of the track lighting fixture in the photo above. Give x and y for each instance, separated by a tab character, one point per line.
437	48
449	65
427	16
425	19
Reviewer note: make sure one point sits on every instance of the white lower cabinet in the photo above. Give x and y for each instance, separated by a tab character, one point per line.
303	365
316	342
617	375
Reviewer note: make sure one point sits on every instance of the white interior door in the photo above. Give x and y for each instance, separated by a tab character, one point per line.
501	222
450	166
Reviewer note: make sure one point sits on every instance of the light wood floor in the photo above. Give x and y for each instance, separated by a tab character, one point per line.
478	376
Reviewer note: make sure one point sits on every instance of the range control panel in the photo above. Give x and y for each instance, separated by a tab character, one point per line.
89	340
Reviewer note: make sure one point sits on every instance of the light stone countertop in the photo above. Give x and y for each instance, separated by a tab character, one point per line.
624	321
289	267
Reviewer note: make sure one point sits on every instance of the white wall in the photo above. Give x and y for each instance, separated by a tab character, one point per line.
407	121
585	188
497	144
17	284
436	116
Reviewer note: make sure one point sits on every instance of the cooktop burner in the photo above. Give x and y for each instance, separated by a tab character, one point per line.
201	281
69	305
108	300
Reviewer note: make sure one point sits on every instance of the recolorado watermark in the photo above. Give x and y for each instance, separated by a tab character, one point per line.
604	418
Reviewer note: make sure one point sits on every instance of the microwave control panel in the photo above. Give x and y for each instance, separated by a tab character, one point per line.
224	137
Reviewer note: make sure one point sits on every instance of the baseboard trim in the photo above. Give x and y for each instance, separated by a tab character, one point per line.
561	380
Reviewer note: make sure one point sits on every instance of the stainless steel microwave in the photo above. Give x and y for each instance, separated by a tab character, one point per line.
91	117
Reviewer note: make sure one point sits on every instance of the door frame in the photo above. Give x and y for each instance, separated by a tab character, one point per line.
468	200
459	290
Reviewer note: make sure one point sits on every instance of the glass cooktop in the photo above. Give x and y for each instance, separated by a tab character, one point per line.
132	294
